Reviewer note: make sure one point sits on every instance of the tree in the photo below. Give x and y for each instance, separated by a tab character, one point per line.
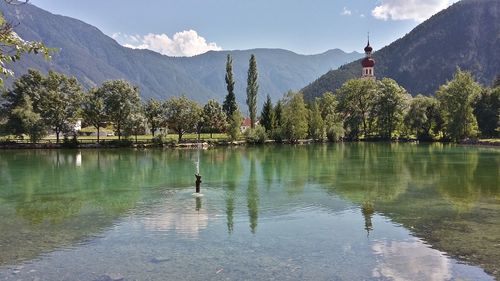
229	106
267	118
13	47
332	120
94	110
121	99
60	102
154	113
356	102
316	124
24	120
234	130
252	90
278	114
486	110
214	119
136	124
390	105
28	84
294	117
456	103
25	94
182	115
423	116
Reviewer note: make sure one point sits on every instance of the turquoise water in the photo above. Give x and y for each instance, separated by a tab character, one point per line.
317	212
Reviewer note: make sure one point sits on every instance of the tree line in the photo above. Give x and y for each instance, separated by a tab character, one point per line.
383	110
361	109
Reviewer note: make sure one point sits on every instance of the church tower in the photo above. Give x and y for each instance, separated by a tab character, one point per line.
368	63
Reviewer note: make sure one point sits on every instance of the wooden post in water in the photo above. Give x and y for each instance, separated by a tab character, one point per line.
198	182
197	175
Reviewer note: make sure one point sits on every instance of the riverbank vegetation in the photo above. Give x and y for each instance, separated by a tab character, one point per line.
39	105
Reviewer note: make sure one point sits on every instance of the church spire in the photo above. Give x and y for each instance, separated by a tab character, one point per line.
368	63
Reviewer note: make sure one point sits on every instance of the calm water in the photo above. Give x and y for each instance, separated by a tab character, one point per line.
321	212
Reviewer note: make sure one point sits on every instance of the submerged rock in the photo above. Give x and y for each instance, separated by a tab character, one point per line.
110	277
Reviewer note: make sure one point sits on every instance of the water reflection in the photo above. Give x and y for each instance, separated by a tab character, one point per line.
449	196
410	260
176	214
367	210
253	197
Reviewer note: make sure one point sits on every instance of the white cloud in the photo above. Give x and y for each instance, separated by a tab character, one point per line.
346	12
186	43
417	10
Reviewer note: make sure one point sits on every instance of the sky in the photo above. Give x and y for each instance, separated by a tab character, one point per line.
191	27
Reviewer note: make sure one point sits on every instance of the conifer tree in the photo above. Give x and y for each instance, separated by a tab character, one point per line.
229	106
252	89
267	118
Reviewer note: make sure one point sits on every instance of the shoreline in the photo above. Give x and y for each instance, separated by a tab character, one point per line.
205	144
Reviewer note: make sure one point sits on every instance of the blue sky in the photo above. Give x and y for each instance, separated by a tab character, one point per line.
190	27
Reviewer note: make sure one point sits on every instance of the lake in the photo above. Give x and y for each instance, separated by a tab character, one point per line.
356	211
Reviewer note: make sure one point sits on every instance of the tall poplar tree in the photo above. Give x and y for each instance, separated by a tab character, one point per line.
229	106
252	89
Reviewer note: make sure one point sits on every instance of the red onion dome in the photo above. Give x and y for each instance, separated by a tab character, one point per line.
368	62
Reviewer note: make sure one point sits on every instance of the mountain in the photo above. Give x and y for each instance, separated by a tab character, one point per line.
92	57
466	35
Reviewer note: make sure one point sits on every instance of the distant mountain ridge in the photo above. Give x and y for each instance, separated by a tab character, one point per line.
93	57
466	35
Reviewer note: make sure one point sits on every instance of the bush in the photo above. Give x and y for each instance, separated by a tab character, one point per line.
335	132
70	143
162	139
277	135
256	135
159	140
121	143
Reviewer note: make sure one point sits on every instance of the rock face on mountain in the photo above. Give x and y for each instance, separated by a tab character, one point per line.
466	35
92	57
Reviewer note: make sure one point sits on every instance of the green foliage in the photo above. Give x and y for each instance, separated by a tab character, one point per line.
24	120
267	117
136	124
93	109
486	110
456	103
13	47
53	101
154	113
21	107
427	57
295	115
390	106
229	106
256	135
234	130
356	104
278	114
60	102
182	115
423	117
70	142
252	89
214	118
332	120
316	124
121	100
